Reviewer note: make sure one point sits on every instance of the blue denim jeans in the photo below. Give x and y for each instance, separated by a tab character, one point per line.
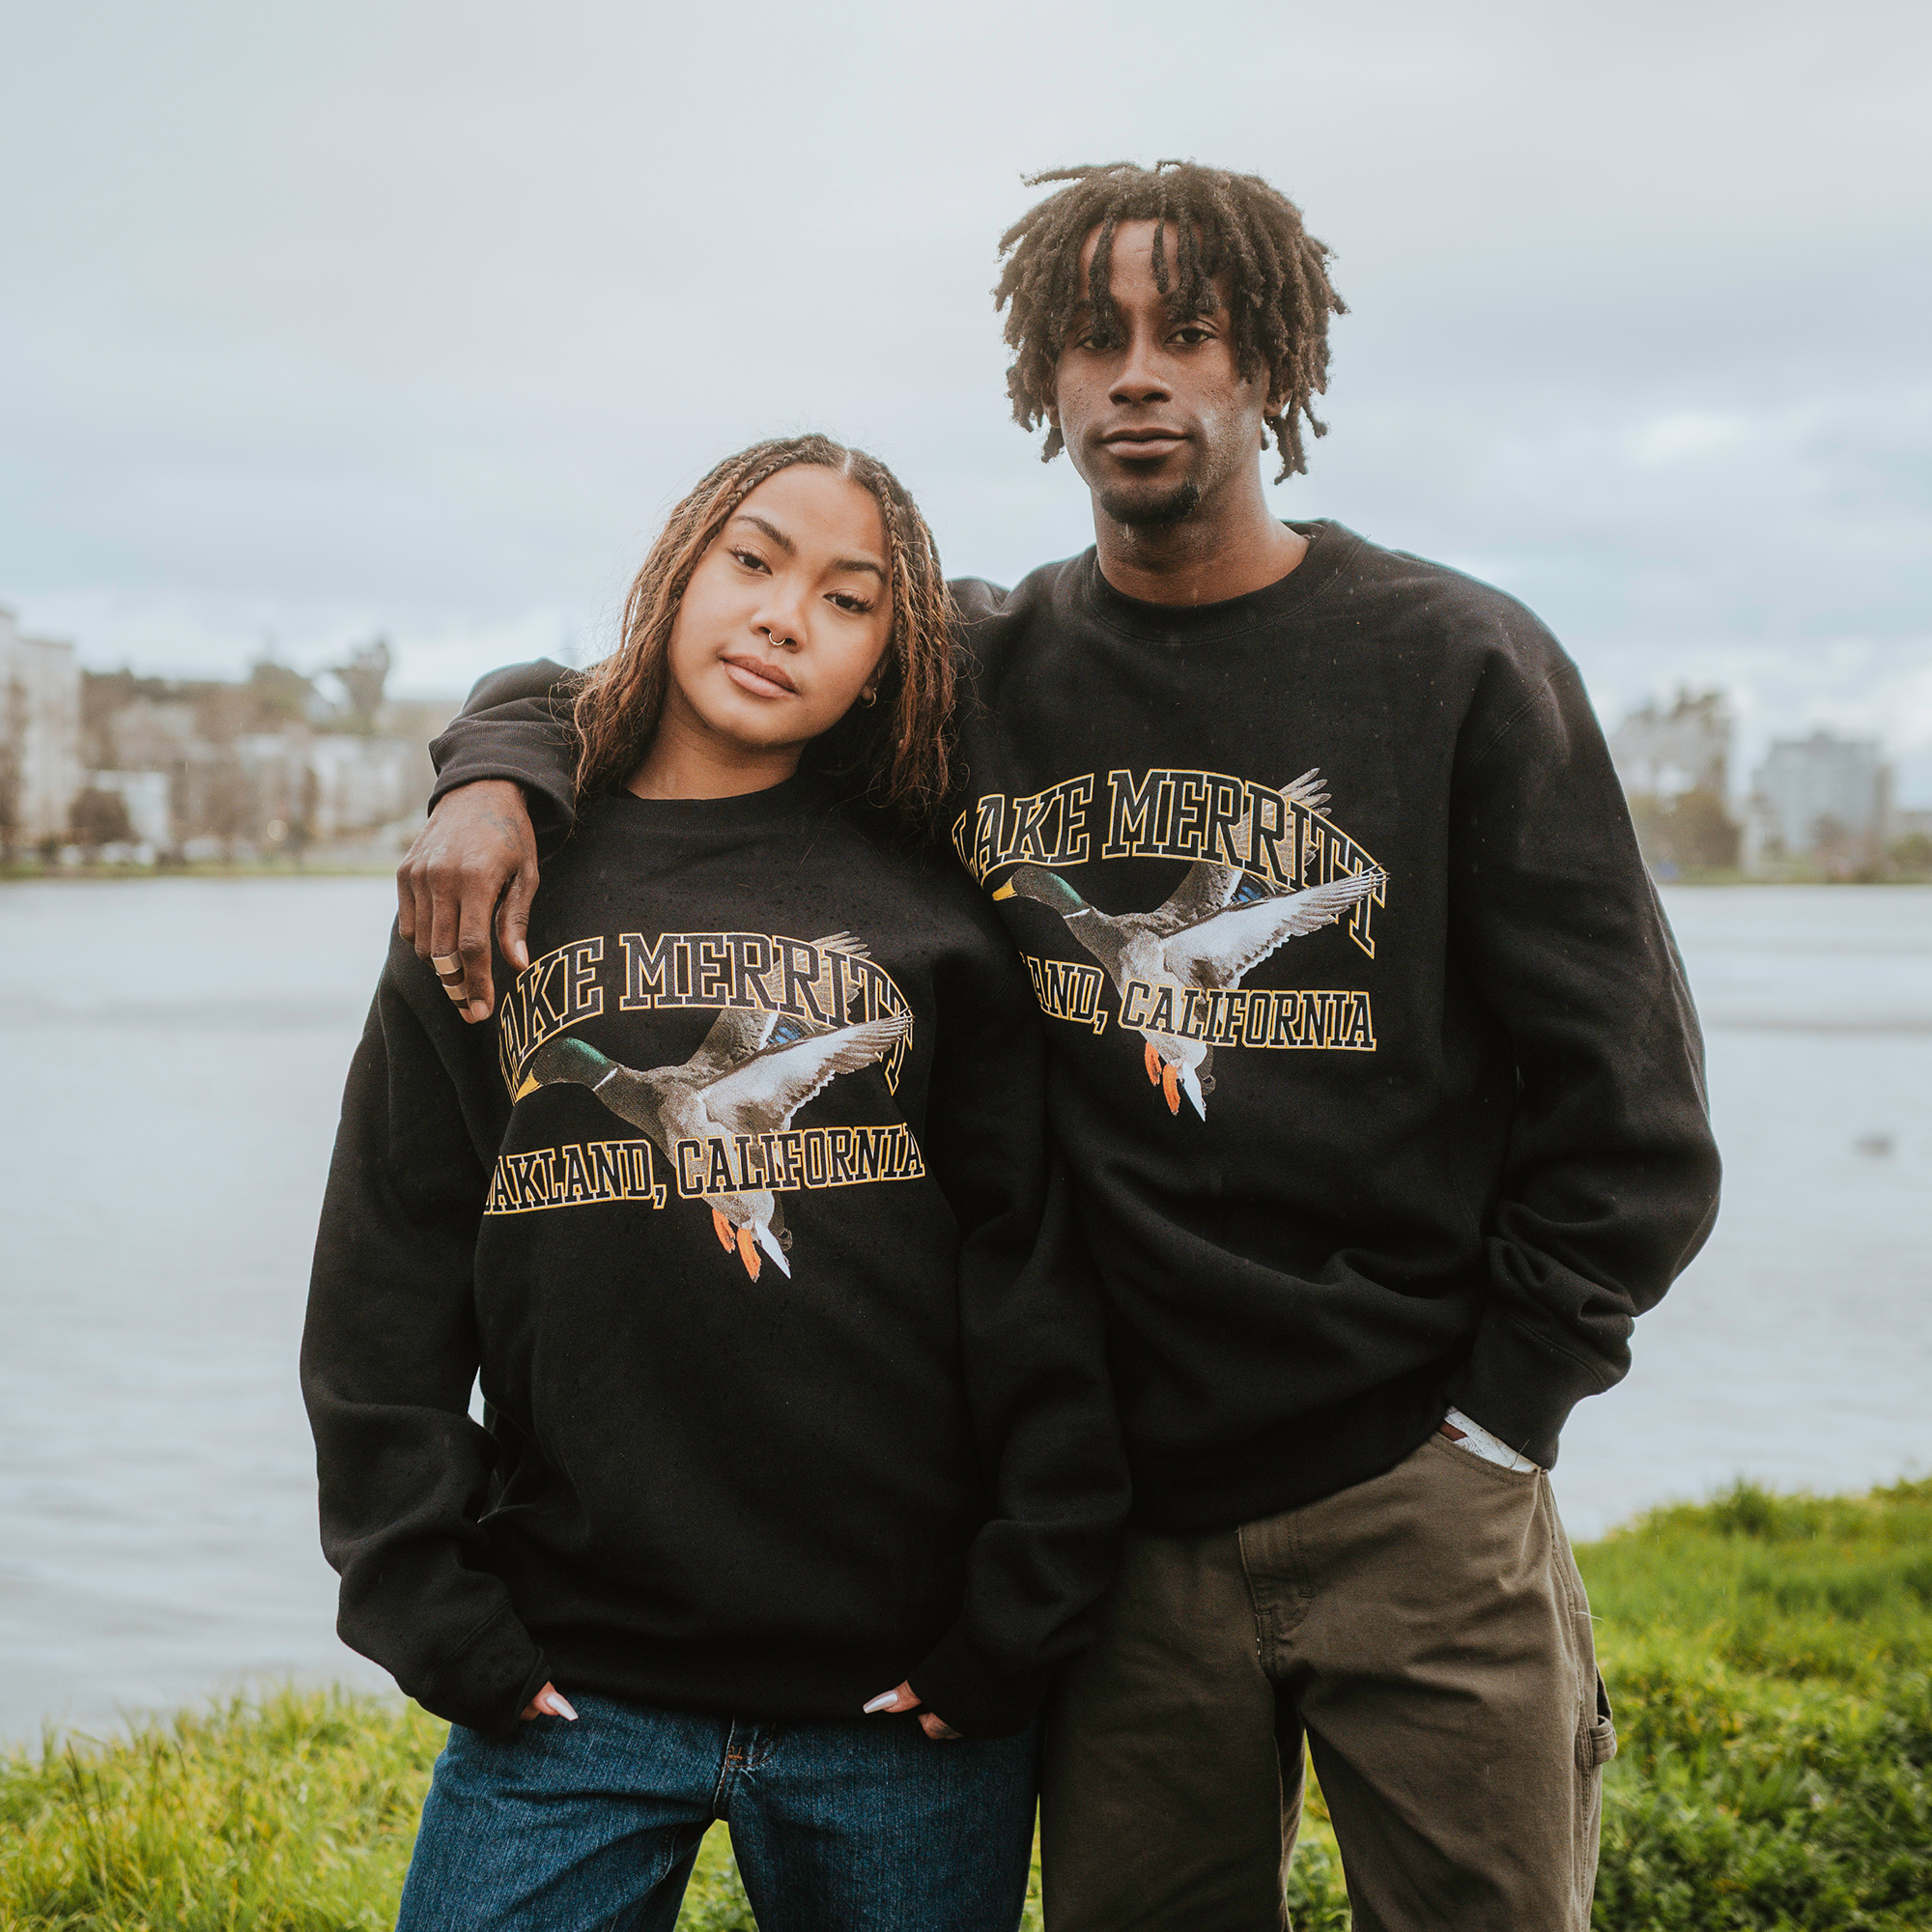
861	1827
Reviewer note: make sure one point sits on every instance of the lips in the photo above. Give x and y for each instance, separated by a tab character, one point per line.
1142	442
762	677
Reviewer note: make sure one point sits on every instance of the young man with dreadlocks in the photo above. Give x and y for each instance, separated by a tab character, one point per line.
1375	1061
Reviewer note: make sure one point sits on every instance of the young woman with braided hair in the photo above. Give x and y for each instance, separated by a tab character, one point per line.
741	1214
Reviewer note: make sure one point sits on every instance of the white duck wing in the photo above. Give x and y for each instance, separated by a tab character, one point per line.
740	1031
764	1093
736	1033
1200	894
1218	951
1204	890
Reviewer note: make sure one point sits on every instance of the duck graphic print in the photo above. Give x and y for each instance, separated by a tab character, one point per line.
717	1126
1267	866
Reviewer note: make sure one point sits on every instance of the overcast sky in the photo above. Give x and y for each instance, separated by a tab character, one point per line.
325	319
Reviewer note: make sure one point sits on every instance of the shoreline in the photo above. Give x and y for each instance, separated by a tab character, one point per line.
378	866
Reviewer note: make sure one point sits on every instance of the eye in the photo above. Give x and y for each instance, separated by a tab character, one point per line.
1194	334
752	560
846	601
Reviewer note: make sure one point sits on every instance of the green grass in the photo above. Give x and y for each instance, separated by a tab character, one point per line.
1769	1656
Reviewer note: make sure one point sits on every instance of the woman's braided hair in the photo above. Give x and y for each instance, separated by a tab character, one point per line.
903	748
1277	272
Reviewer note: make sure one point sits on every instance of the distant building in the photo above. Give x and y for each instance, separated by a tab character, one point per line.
1824	799
360	783
1663	755
268	764
116	766
1675	769
40	738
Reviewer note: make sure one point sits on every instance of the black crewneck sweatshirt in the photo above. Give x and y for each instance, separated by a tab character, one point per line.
1372	1053
743	1207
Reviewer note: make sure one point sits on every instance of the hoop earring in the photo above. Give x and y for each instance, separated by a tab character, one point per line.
869	697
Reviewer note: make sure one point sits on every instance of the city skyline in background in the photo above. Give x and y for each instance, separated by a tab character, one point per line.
120	768
409	322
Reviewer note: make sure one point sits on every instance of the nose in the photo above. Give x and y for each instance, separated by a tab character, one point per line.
1141	376
783	616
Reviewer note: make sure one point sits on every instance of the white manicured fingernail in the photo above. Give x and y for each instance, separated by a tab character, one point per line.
560	1704
882	1701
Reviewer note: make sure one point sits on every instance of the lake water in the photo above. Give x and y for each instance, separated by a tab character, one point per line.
174	1053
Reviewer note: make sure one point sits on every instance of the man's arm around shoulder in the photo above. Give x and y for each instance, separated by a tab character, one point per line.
474	864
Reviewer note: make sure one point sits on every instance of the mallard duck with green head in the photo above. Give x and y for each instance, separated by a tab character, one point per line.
742	1080
1219	923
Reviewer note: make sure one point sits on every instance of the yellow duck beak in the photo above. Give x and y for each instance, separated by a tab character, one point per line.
529	1086
1005	891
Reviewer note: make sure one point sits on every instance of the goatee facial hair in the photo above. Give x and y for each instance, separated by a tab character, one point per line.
1143	513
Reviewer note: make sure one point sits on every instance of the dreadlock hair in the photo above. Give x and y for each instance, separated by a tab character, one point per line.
902	751
1280	292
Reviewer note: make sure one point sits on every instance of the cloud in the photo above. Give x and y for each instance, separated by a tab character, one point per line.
419	315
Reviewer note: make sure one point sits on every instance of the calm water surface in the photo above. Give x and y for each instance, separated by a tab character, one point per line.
174	1053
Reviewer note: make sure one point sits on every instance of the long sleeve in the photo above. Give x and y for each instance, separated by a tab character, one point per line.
389	1353
516	724
1610	1184
1032	1349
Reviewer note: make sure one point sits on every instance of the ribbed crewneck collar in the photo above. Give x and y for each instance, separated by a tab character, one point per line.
1329	544
804	792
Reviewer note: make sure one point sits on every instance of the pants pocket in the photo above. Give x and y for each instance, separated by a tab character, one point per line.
1595	1733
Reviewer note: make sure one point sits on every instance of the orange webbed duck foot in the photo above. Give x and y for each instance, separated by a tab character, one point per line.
1150	1060
722	1229
747	1252
1170	1085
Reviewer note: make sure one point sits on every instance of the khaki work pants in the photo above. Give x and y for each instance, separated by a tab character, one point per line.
1427	1631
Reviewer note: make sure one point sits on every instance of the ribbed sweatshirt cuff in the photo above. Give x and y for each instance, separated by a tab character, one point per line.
1521	1389
959	1683
550	798
489	1678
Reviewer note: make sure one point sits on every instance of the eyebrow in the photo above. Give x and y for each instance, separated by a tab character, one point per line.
1085	305
772	530
790	549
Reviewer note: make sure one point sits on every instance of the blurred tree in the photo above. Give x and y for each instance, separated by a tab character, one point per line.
1693	831
229	805
362	679
1911	856
282	695
99	818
